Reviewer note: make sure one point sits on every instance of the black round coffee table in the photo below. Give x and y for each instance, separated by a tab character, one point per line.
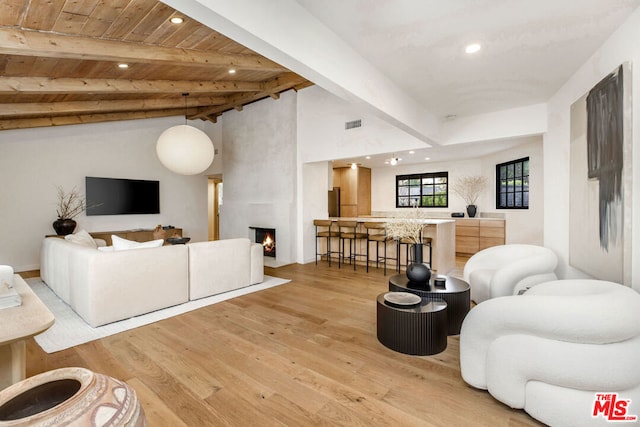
420	330
455	292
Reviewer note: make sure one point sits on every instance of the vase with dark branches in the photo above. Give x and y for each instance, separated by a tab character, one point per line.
70	205
469	188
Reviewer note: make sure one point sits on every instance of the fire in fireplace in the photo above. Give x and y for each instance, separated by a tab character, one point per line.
267	238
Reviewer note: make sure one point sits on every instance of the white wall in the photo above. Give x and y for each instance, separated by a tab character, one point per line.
523	226
322	136
260	172
622	46
34	161
511	123
313	186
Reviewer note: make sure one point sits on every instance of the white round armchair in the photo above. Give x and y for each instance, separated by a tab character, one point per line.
551	350
507	269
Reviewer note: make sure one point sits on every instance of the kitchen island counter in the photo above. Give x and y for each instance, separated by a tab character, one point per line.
441	231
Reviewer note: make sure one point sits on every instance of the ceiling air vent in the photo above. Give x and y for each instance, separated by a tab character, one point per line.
353	124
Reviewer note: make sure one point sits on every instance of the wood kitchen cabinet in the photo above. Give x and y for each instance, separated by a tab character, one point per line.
474	234
355	190
467	236
491	233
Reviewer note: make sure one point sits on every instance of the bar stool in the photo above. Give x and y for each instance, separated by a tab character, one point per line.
376	232
325	233
348	231
399	243
426	241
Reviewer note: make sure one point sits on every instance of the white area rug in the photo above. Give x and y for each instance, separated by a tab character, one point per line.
70	330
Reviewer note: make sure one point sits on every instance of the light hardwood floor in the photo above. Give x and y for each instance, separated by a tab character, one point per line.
300	354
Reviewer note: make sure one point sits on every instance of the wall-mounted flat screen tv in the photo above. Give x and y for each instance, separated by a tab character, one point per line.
116	196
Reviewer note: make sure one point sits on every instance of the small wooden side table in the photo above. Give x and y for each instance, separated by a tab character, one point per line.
16	325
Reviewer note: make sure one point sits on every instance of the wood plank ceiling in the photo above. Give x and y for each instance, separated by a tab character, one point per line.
59	64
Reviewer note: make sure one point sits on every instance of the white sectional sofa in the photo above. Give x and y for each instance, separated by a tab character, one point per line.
224	265
107	286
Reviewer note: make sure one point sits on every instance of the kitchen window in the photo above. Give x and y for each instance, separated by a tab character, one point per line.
512	184
423	190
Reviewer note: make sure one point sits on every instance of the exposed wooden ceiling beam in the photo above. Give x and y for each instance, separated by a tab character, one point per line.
40	85
85	107
24	123
40	44
283	82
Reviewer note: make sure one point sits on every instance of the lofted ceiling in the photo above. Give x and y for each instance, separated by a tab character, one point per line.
59	64
529	49
58	58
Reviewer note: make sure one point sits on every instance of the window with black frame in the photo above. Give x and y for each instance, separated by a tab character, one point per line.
512	184
423	190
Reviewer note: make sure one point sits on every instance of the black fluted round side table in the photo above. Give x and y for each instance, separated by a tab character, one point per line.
455	292
419	330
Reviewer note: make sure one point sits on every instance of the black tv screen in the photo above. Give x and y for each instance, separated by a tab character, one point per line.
115	196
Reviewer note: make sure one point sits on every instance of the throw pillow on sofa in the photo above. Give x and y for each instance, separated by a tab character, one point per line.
82	237
120	244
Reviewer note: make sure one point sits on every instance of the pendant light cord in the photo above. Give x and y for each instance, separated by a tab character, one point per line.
185	95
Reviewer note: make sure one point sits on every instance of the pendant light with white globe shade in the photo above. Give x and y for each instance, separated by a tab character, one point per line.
184	149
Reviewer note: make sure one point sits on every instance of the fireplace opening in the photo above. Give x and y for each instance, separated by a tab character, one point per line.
267	238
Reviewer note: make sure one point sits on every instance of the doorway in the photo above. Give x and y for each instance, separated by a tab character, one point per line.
214	203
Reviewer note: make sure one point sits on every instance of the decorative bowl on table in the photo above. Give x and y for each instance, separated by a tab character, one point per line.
402	299
178	240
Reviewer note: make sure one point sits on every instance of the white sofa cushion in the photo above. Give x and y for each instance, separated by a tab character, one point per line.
81	237
120	244
221	266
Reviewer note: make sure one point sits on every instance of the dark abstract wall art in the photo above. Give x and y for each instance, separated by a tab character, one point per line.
604	149
600	178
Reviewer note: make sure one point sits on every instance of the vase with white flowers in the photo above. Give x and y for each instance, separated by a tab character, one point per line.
407	228
70	205
469	188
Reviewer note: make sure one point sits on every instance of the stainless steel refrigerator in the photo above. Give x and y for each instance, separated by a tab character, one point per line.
334	202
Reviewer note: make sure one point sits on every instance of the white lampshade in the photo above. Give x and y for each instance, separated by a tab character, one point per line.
185	150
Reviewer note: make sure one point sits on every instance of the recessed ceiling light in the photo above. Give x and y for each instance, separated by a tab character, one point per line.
177	20
232	71
427	158
412	152
368	157
123	65
472	48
